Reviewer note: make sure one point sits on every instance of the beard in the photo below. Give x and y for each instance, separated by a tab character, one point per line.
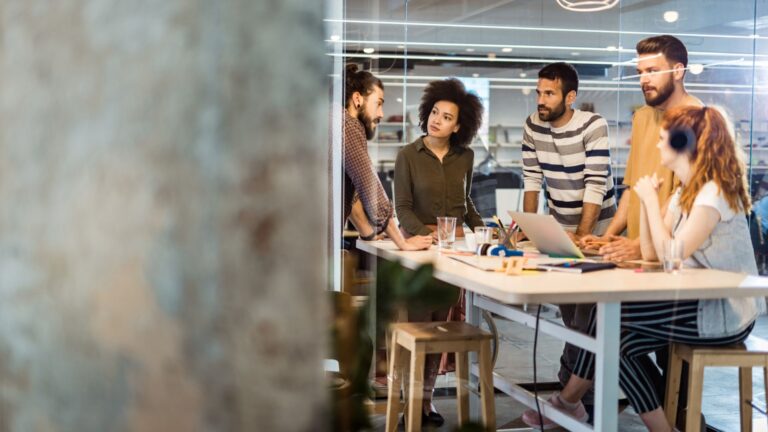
551	114
662	94
368	122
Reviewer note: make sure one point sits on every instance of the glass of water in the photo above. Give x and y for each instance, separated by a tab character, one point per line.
673	255
446	232
483	234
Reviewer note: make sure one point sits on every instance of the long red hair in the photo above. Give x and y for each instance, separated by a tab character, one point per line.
716	156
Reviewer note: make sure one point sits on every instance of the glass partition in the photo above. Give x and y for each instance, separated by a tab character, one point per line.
756	126
497	48
503	44
374	38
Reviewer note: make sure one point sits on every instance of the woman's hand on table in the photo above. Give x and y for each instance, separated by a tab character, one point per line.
433	234
417	243
621	249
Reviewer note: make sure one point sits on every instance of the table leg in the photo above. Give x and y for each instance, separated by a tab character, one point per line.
472	317
607	366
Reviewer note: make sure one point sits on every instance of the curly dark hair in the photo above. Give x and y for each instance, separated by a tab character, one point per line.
470	109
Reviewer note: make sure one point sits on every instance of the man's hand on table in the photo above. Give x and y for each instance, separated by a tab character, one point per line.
591	240
621	249
576	237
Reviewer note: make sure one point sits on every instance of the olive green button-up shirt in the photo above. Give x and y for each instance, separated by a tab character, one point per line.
425	188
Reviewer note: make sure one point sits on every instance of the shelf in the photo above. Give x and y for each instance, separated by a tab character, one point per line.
473	146
614	123
502	145
518	164
510	163
387	144
395	124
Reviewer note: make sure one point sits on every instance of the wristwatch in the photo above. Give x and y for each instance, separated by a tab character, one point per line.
369	237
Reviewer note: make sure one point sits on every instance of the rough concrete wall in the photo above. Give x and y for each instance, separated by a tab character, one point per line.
155	159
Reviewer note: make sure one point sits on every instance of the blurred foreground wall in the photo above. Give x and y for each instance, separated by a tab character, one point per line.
156	160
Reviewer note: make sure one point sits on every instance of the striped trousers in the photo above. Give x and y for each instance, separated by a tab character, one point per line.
646	327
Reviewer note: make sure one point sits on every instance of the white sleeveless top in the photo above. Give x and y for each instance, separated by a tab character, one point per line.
729	248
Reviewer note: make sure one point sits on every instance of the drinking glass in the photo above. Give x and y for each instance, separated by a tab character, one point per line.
483	234
446	232
673	255
471	241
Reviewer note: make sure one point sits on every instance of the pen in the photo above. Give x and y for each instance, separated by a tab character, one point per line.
501	226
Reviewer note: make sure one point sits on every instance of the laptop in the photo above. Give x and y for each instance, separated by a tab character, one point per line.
546	234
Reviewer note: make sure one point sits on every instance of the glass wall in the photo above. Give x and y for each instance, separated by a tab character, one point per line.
499	46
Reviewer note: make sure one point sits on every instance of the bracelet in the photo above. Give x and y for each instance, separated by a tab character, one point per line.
369	237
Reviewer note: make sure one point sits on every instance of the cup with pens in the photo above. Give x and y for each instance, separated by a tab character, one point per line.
507	236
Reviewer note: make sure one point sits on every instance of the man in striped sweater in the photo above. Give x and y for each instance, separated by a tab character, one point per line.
566	150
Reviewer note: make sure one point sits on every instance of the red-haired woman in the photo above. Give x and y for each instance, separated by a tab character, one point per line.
708	213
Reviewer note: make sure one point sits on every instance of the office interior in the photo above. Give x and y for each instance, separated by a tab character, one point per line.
496	47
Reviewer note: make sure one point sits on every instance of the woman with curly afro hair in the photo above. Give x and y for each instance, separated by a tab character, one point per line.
433	177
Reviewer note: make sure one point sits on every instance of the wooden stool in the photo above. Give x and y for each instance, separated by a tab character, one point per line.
422	338
752	353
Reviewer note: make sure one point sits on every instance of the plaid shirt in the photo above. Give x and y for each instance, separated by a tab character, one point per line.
360	179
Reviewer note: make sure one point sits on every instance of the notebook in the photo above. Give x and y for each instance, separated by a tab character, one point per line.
579	267
493	263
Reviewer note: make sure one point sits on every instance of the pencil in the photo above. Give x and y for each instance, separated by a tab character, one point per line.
501	225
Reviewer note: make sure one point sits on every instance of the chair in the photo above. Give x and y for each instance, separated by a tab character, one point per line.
751	353
422	338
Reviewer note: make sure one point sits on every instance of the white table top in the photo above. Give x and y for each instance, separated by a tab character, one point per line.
617	285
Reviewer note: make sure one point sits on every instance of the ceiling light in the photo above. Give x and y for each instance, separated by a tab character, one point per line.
526	90
587	5
399	99
491	56
671	16
575	54
507	49
401	47
368	50
335	37
475	75
470	49
696	68
611	48
433	25
523	74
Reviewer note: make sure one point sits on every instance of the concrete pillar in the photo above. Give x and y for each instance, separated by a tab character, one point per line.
159	161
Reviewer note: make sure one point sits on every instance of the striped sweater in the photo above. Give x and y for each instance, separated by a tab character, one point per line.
574	164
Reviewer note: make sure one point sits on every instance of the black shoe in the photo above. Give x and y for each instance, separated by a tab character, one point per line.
433	420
